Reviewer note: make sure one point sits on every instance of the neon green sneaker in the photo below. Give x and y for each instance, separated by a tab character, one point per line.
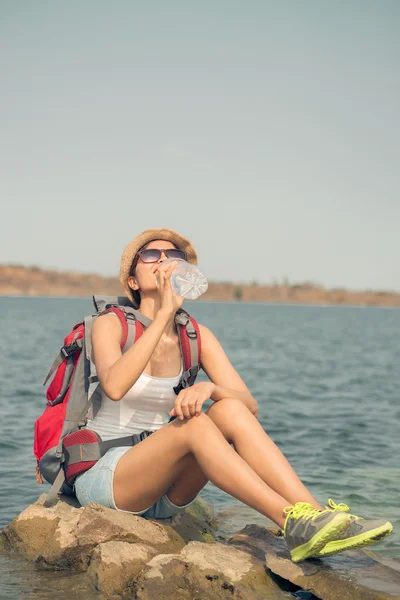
361	532
307	529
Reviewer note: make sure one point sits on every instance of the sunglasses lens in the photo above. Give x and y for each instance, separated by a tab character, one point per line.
151	255
175	253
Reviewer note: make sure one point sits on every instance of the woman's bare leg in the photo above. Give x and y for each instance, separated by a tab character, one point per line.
188	483
241	428
251	442
146	471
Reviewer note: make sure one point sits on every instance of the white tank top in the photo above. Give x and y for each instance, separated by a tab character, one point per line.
145	406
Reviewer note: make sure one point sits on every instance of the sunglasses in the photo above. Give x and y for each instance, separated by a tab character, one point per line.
153	255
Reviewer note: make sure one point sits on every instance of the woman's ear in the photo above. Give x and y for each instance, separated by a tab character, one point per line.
133	283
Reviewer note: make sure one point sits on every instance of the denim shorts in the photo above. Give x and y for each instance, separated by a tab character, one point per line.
96	485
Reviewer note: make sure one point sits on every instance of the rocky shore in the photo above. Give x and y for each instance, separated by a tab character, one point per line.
120	555
33	281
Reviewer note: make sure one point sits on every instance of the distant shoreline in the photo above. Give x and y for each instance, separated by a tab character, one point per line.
36	282
208	301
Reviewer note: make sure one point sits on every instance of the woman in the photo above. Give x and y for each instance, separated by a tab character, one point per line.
226	444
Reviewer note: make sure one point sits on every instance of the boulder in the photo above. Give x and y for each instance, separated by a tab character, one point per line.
206	572
124	554
352	575
38	529
64	536
115	565
178	558
195	523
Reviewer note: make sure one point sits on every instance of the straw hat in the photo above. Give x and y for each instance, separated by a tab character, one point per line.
169	235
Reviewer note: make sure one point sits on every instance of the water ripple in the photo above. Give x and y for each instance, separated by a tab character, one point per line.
326	380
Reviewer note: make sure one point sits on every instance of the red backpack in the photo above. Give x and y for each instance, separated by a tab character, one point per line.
63	447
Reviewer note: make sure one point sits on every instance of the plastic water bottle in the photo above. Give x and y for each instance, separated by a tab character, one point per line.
187	280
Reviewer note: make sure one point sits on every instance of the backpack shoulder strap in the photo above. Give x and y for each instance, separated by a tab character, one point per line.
103	303
100	302
65	352
128	332
190	343
134	322
119	312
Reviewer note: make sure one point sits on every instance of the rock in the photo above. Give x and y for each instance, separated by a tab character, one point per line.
115	565
178	558
63	536
195	523
39	529
99	524
353	575
206	572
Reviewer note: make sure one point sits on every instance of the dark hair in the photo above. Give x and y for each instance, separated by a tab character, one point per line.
135	293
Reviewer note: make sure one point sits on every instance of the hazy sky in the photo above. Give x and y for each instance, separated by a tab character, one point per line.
265	131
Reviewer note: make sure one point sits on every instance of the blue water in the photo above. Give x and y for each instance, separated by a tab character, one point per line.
326	379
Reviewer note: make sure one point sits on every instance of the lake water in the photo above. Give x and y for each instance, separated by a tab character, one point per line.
326	379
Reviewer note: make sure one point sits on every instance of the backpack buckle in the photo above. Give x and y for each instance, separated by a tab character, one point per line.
192	334
69	350
178	388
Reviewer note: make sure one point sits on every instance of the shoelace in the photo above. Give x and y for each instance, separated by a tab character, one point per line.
342	507
304	510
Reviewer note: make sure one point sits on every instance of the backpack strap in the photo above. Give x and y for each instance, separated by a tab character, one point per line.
132	329
52	495
129	335
66	351
93	451
92	379
122	319
188	331
100	303
132	322
190	343
133	314
75	414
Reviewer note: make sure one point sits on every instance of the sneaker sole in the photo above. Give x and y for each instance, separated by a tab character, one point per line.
332	530
358	541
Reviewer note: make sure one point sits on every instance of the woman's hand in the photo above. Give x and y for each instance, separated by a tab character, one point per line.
170	302
189	401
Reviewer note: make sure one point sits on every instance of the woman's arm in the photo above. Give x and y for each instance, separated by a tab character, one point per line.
218	368
118	372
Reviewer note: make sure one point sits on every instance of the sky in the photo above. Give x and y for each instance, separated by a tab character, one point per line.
266	132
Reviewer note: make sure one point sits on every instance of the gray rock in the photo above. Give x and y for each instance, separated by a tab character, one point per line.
178	558
63	536
38	529
353	575
206	572
114	566
196	523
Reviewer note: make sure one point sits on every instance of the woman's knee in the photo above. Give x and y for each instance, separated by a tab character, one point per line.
230	405
227	415
201	420
196	426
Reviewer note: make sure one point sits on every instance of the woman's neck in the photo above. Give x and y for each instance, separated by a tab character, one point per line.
150	307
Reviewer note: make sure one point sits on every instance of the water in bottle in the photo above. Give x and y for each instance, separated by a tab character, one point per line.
187	280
